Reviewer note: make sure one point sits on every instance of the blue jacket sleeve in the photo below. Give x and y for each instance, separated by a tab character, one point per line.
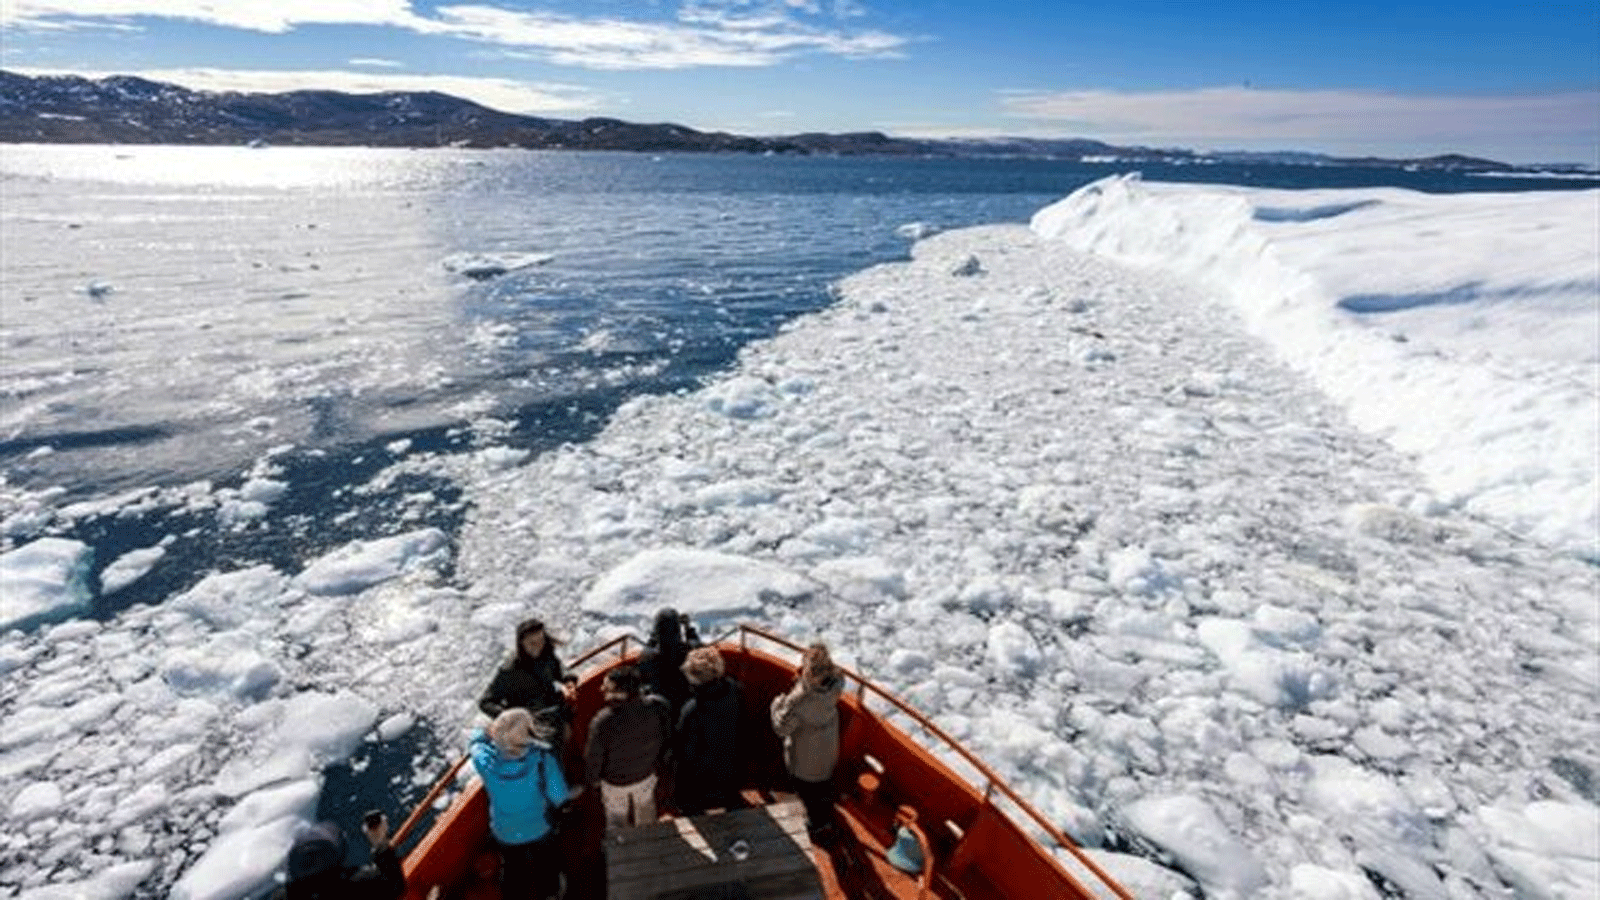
482	751
555	784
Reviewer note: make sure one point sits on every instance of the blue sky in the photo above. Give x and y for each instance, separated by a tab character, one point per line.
1509	81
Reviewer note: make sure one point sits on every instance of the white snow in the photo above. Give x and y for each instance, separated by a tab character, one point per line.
1460	327
1196	554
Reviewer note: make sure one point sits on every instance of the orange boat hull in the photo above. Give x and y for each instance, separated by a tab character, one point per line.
977	850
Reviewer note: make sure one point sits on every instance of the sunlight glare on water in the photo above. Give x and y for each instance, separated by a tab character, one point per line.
210	320
174	311
238	167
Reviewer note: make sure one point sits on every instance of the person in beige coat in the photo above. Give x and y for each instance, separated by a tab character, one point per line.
807	718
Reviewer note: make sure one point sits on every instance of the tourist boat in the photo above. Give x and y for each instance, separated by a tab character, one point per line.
919	816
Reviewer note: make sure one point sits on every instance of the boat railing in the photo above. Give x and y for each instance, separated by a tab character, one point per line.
996	793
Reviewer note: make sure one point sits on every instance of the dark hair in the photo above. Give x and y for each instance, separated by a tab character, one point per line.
625	679
317	853
526	627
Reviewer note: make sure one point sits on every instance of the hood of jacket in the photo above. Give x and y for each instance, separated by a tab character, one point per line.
525	766
832	684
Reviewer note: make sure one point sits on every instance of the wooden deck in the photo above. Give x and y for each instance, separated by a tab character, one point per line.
758	853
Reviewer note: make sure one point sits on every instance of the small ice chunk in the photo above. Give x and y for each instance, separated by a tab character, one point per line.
862	580
359	565
129	567
743	397
698	582
239	863
1309	882
1012	651
502	458
1546	849
483	266
909	662
1196	837
296	798
395	726
1271	676
1135	571
226	665
38	799
44	581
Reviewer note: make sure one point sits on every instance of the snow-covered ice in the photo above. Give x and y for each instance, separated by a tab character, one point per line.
129	568
1127	531
43	581
1461	327
363	564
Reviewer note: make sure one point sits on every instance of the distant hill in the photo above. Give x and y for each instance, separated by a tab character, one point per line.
124	109
128	110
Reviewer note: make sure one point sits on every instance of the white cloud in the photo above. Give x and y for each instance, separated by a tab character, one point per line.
706	32
1241	116
705	35
503	94
375	63
738	16
276	16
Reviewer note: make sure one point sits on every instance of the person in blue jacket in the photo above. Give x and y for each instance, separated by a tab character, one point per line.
523	779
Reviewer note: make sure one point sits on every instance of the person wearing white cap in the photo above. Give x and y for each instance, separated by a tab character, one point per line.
525	786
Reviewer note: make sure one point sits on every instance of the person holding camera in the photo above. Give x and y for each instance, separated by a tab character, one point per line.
660	664
317	870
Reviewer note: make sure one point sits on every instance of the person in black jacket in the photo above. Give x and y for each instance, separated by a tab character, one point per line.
660	665
317	870
706	745
534	680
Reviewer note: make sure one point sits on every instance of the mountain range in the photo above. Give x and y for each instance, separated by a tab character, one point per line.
130	110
